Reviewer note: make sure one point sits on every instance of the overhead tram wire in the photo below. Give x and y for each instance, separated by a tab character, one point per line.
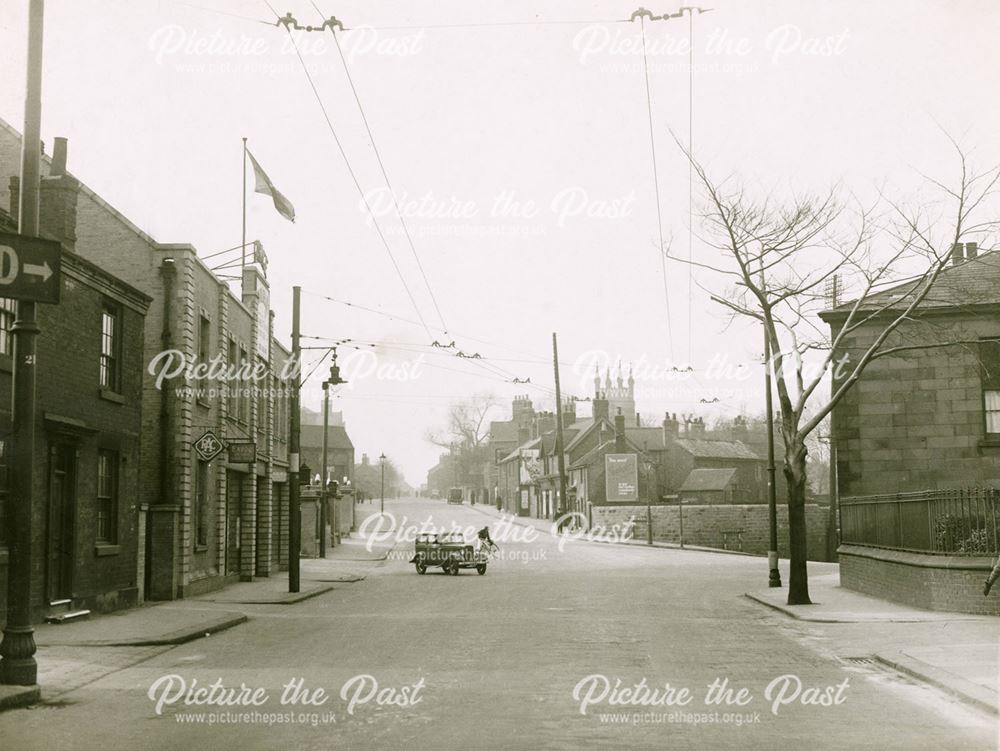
656	187
385	174
354	177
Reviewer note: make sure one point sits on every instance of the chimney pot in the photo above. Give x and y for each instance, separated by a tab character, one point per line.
59	148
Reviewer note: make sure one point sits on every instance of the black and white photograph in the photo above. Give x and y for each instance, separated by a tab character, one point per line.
452	374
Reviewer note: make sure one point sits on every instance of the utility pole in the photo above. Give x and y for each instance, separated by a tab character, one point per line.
17	650
559	431
294	521
774	575
381	503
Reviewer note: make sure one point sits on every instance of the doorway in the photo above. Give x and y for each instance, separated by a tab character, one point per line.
62	516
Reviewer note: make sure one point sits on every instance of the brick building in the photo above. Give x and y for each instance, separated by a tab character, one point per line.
208	522
87	532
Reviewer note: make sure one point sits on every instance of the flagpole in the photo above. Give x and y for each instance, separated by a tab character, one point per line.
243	247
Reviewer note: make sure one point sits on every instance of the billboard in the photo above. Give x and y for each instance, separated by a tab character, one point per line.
621	477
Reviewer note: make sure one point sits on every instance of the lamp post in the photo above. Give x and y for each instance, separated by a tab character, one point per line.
333	380
381	503
774	576
649	465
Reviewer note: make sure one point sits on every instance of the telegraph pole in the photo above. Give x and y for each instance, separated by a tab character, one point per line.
17	650
294	521
559	431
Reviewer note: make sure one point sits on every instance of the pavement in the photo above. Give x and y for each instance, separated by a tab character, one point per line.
74	654
968	669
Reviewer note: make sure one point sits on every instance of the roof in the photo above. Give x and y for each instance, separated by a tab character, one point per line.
516	453
709	449
974	281
608	447
708	479
584	429
648	438
505	430
311	436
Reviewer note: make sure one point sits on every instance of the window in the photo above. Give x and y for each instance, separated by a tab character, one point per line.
204	340
989	359
4	521
201	504
8	312
244	387
232	404
110	348
107	496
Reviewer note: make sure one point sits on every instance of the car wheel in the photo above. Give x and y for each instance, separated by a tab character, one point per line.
453	570
421	567
481	569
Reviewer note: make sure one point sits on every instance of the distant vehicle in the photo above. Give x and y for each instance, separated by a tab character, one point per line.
449	550
435	494
455	495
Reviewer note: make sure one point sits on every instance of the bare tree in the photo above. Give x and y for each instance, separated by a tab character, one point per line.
467	432
777	259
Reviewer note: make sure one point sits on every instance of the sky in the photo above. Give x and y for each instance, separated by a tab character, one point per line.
517	142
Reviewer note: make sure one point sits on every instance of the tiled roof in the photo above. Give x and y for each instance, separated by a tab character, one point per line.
708	479
708	449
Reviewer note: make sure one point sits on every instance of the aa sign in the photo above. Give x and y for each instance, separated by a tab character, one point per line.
30	268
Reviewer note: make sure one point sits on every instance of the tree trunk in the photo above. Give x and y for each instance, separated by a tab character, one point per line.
795	477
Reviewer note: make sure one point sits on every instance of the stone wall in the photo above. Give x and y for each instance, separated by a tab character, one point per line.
734	527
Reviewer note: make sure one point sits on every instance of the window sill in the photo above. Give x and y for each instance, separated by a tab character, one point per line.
102	549
110	396
204	403
990	443
200	548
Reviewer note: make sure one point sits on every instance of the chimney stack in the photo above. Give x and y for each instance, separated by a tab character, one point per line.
620	447
971	251
58	166
601	407
956	254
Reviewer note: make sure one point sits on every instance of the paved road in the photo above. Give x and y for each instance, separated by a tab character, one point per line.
493	661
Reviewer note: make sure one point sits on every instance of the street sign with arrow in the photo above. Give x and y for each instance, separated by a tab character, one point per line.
30	268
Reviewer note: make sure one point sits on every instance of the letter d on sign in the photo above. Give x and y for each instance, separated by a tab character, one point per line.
8	264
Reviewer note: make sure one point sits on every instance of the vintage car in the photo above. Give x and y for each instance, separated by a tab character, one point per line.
455	495
449	550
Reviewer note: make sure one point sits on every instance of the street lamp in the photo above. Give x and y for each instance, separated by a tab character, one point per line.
650	490
774	576
381	503
333	380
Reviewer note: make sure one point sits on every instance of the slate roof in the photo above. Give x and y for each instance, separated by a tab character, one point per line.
312	437
971	282
708	449
708	479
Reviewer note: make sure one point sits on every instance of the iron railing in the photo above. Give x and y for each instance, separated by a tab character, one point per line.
962	521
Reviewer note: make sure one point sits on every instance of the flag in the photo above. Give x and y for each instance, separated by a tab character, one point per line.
265	186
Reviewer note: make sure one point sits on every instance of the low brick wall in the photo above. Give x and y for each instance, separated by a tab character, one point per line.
923	580
741	527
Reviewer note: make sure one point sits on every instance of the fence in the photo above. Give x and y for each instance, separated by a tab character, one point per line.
959	521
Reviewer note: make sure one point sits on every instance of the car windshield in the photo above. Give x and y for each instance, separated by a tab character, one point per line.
452	537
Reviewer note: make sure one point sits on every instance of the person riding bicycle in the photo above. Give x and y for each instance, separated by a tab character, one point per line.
485	541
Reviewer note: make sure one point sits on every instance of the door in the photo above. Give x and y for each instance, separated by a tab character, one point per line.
62	515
